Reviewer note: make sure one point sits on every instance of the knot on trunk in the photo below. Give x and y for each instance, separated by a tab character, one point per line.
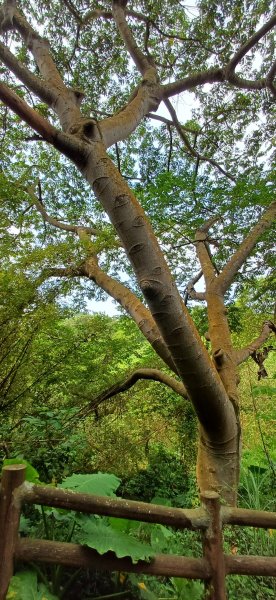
219	358
86	129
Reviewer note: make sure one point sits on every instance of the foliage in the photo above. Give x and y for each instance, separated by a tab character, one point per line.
101	484
103	538
185	166
24	586
141	541
164	476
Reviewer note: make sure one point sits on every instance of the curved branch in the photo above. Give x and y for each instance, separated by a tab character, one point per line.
132	305
243	354
146	97
230	270
226	74
170	122
244	49
270	79
64	101
119	126
119	292
141	61
34	83
176	87
191	292
185	139
58	224
28	114
99	13
118	388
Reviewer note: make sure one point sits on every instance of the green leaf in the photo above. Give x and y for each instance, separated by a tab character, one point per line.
31	473
187	590
24	586
95	534
124	525
101	484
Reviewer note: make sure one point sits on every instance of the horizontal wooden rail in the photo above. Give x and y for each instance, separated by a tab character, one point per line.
75	555
141	511
168	565
250	565
102	505
250	518
212	568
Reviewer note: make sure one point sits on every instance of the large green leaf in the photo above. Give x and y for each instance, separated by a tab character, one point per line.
103	538
101	484
24	586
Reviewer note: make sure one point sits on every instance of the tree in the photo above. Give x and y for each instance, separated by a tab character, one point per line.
120	61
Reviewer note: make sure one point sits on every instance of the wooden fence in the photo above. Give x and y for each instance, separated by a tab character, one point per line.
212	568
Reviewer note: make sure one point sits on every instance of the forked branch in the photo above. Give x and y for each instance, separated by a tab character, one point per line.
190	290
141	61
230	270
227	74
243	354
55	222
181	132
245	48
118	388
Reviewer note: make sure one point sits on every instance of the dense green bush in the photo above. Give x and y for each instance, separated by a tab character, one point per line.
165	476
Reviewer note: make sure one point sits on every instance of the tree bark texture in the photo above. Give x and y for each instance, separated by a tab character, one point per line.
210	382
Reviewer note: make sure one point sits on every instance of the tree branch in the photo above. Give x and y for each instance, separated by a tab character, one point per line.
119	126
177	87
242	355
118	388
146	97
131	304
64	101
185	139
217	74
191	292
203	251
244	49
72	271
170	122
99	13
230	270
141	61
119	292
28	114
58	224
34	83
270	79
259	358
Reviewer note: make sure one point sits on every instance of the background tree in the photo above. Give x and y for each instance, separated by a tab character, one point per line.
119	62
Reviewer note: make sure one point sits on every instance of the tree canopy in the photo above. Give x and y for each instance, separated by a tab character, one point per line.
108	185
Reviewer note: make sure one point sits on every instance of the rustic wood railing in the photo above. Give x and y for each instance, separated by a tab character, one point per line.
212	568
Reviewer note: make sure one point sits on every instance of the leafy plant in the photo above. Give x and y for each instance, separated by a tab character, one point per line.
25	586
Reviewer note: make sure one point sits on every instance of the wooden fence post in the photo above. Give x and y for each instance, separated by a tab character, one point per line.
213	547
12	477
